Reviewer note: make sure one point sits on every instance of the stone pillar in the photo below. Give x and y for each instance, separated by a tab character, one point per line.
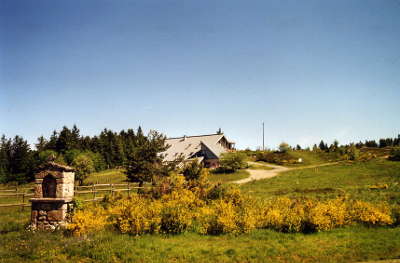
54	192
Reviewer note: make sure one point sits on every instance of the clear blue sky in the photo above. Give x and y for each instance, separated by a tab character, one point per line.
310	69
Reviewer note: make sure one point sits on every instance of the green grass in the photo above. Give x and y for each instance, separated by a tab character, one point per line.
259	167
228	177
352	179
349	244
312	158
111	176
309	158
339	245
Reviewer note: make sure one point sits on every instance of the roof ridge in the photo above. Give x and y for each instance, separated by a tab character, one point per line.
213	134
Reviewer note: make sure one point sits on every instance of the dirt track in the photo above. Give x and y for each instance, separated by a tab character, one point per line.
264	174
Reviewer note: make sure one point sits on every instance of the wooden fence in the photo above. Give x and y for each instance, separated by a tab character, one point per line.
96	192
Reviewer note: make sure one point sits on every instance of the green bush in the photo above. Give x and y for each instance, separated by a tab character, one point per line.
353	153
192	170
284	147
84	165
231	162
395	154
275	157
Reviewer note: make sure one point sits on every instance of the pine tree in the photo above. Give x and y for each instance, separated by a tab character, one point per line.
41	144
52	143
145	161
75	138
322	146
65	140
21	160
5	153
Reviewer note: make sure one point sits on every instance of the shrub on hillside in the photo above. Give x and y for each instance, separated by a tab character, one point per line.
192	170
284	147
137	215
328	215
225	210
89	220
370	214
83	165
283	214
395	154
276	157
177	212
353	153
233	161
163	185
218	218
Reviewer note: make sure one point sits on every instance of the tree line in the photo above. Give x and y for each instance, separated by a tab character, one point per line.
130	149
382	143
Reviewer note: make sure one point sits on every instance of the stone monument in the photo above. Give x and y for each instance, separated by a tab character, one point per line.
54	191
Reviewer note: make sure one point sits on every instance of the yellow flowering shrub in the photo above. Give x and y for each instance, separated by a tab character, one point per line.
178	210
218	218
367	213
137	215
283	214
223	209
92	219
247	217
330	214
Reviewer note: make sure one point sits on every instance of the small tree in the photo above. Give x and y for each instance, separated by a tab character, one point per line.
84	166
192	170
284	147
395	155
230	162
315	148
323	146
145	161
70	155
353	152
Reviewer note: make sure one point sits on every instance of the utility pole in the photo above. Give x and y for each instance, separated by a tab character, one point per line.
263	137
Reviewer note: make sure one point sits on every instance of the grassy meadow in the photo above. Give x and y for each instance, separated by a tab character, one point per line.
339	245
217	177
110	176
375	180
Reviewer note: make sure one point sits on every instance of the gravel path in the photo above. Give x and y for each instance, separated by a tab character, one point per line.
263	174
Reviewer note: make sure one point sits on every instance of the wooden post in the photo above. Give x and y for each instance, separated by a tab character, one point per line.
23	201
112	190
94	191
129	192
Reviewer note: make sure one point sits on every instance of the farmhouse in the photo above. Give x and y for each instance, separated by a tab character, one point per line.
206	148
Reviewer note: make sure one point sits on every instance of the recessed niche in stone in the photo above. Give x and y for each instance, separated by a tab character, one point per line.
49	186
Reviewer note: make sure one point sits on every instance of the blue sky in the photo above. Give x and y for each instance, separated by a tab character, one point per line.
310	70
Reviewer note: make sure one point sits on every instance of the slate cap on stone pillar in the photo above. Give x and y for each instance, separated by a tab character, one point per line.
54	180
55	167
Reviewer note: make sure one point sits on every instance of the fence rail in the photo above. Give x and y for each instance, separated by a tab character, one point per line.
93	189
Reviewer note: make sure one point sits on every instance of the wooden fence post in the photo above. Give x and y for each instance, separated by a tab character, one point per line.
94	191
23	201
129	190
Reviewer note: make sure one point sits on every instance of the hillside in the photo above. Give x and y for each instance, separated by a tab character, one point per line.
375	180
